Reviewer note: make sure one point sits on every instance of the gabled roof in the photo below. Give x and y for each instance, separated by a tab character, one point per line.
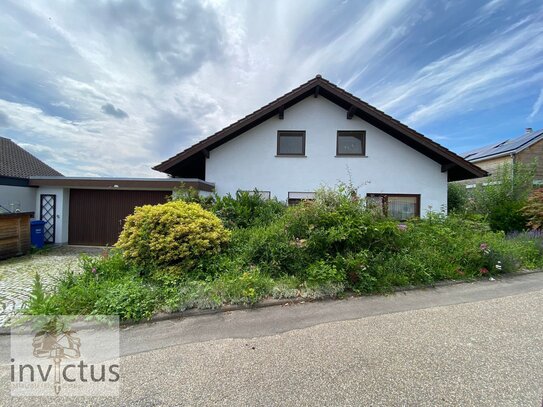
511	146
16	162
457	167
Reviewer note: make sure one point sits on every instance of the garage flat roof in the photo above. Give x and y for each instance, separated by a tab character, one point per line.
121	183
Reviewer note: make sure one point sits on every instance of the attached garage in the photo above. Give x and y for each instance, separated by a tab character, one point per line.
96	217
92	211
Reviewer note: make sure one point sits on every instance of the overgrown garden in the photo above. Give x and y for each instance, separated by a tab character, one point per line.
207	252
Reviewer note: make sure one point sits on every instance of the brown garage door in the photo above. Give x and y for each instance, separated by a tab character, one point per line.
97	216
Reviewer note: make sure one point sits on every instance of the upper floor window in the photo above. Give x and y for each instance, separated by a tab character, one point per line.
351	143
291	143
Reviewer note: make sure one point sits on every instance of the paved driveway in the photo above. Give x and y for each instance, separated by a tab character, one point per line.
17	274
475	344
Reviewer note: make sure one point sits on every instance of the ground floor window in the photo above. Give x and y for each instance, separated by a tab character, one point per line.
398	206
297	197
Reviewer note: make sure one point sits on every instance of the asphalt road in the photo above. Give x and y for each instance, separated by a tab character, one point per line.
477	344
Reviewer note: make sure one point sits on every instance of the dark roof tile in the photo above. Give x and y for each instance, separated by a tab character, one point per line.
16	162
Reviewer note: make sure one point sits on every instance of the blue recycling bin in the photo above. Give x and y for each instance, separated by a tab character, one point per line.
36	233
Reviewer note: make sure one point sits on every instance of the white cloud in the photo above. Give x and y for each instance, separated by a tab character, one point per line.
186	70
492	6
536	108
493	71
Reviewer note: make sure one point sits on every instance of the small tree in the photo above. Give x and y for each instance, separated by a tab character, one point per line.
533	210
502	197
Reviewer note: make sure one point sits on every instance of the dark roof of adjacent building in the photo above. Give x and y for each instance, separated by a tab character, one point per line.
192	159
506	147
16	162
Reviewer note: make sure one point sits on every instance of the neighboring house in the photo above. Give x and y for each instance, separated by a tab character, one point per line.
318	134
77	210
16	167
525	149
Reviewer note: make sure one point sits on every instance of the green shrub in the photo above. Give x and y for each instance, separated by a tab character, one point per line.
338	223
111	264
129	299
167	289
321	273
212	266
400	269
247	209
169	234
355	267
191	195
457	197
508	216
270	248
77	294
503	196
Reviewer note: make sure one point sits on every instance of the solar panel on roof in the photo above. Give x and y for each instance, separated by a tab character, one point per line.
509	145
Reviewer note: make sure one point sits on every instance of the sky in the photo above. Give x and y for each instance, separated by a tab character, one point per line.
111	88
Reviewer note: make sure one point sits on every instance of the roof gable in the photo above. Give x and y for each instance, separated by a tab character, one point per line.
457	167
16	162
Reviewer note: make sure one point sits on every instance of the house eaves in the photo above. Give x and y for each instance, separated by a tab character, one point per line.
122	183
456	167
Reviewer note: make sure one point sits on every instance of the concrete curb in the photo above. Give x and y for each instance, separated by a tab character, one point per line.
271	302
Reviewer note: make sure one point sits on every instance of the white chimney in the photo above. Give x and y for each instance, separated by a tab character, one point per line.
529	129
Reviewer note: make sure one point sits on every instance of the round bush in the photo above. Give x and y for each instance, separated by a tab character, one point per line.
170	234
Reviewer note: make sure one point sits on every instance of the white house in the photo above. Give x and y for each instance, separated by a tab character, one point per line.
316	135
320	135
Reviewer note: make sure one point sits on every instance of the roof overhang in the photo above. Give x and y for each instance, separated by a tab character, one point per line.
456	167
122	183
14	181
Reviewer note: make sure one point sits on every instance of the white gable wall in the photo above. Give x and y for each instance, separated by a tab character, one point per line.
249	161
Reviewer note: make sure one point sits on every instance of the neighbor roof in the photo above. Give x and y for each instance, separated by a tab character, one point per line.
457	167
16	162
510	146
